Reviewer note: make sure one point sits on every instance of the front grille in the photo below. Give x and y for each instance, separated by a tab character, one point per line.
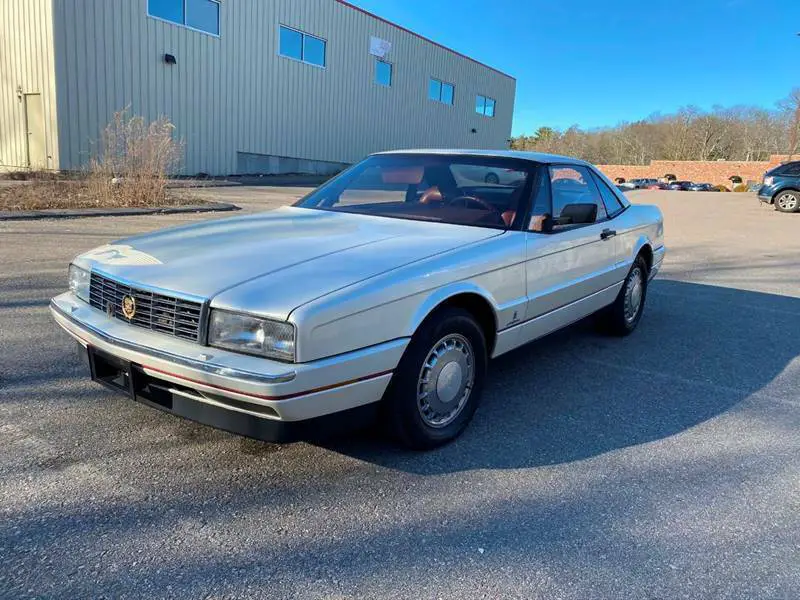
158	312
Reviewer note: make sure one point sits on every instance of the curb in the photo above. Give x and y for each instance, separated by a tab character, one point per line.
199	184
78	213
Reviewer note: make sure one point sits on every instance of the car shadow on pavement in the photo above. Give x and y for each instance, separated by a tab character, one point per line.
117	499
699	351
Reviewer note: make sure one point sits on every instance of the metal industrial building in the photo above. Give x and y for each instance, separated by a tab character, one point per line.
251	85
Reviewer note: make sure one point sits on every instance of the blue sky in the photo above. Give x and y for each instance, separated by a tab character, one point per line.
598	62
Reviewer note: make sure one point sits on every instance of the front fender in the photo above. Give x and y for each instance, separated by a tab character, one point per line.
784	188
441	295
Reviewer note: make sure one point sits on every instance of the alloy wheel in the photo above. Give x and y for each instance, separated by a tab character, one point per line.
787	202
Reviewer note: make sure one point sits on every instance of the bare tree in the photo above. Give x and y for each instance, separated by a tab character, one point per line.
791	106
738	133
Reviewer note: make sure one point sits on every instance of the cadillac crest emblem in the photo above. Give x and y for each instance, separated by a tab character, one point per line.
129	307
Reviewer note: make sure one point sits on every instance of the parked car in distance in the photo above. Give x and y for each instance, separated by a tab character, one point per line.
679	185
383	293
701	187
781	187
642	184
659	185
492	176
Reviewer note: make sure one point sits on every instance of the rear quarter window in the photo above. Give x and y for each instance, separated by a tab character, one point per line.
613	204
618	195
791	169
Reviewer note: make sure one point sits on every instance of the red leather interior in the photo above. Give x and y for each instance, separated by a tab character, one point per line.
432	195
513	203
537	223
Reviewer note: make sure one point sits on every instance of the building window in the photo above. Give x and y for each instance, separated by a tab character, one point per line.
302	46
200	15
383	73
484	106
440	91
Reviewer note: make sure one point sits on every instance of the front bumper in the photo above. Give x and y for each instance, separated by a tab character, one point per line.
766	193
252	396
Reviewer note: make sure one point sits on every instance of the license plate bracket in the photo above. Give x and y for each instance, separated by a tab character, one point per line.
111	371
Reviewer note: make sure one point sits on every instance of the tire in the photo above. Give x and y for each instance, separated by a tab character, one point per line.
492	178
615	319
787	201
415	413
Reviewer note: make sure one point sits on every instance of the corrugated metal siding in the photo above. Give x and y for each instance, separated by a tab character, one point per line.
235	93
26	62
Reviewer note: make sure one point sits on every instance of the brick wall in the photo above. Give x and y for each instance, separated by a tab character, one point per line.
701	171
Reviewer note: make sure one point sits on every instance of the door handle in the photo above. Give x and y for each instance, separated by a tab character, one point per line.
607	233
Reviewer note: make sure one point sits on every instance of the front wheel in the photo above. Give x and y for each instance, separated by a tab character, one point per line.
437	385
787	201
492	178
622	317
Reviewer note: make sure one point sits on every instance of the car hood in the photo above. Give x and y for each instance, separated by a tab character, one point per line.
270	263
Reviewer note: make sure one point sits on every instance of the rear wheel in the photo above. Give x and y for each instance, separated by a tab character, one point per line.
492	178
437	386
622	317
787	201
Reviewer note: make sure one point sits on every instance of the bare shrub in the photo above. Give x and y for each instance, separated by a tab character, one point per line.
134	160
131	168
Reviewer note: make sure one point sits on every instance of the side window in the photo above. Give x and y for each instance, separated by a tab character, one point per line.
440	91
302	46
484	105
200	15
383	73
434	89
791	169
203	15
575	198
540	220
612	203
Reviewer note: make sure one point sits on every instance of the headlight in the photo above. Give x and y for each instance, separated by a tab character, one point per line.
251	335
79	282
768	180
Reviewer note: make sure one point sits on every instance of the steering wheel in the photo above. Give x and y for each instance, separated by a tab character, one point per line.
467	200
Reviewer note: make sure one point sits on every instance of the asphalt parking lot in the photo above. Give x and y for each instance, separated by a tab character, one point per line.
664	465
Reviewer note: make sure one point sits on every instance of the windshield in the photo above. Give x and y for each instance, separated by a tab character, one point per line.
461	190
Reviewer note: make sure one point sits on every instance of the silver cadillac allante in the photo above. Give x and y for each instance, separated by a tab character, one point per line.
381	295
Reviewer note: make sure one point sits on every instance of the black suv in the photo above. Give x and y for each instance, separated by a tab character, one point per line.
781	187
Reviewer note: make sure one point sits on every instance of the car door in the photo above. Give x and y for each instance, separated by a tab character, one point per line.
628	230
571	251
